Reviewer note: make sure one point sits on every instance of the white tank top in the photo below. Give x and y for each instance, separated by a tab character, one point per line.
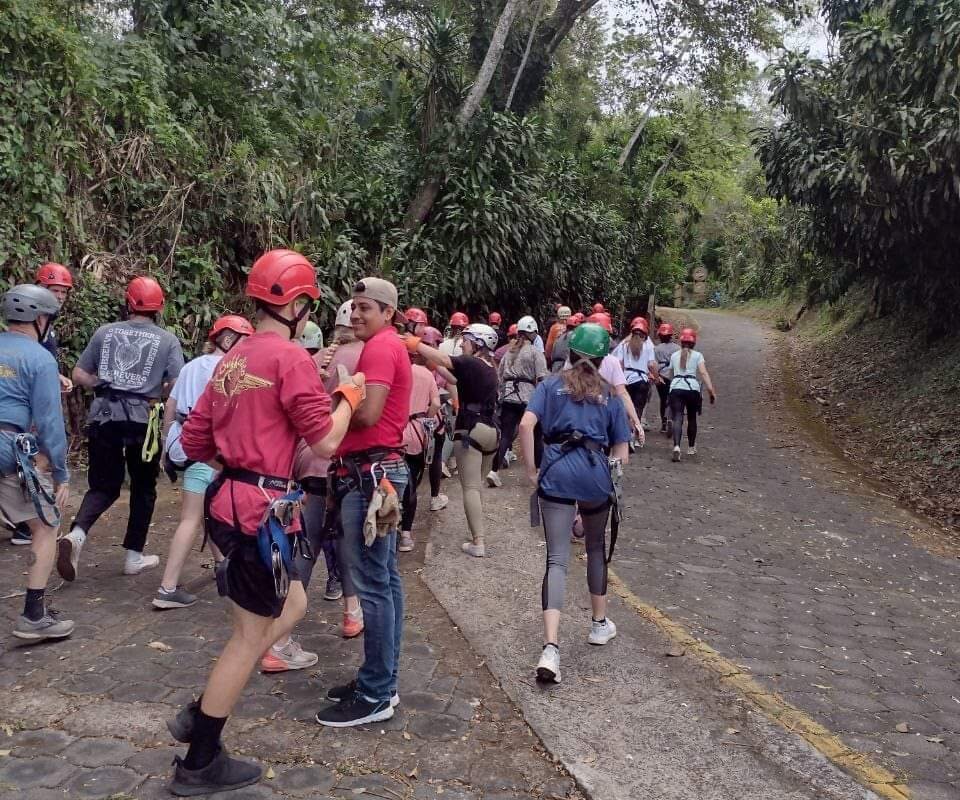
685	377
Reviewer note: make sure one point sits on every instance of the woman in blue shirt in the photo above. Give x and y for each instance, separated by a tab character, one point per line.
582	422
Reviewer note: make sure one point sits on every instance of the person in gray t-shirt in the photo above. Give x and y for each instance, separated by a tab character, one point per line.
127	364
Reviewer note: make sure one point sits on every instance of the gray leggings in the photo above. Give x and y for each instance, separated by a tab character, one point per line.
557	526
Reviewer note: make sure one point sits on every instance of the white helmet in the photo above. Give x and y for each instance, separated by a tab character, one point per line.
563	313
527	325
343	315
484	334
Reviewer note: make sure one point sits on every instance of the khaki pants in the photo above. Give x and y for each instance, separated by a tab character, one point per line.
472	466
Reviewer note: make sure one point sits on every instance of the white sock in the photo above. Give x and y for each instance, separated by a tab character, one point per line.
278	646
79	535
134	557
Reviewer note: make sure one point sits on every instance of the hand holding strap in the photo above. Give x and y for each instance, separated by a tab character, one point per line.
412	343
351	388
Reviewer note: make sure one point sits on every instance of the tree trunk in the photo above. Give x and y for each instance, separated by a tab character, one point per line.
526	55
659	173
430	187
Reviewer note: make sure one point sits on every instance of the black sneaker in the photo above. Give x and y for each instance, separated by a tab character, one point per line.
21	535
181	726
355	711
338	694
220	775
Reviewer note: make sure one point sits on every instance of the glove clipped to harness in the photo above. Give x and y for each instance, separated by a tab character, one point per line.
352	388
383	513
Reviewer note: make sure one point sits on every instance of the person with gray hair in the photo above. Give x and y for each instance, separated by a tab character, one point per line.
30	401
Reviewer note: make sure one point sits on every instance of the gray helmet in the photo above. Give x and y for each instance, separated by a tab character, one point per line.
26	302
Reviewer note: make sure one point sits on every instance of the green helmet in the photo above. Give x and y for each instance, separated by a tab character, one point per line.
590	340
312	336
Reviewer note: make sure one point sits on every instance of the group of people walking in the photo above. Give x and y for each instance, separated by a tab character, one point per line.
286	449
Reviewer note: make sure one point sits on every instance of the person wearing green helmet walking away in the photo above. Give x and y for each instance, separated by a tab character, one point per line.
586	436
312	338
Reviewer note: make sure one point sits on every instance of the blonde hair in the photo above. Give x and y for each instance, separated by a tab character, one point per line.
583	383
685	349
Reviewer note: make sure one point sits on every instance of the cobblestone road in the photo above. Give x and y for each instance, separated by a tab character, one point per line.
84	718
776	555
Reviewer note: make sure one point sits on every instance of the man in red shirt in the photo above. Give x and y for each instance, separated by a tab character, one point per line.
371	459
264	396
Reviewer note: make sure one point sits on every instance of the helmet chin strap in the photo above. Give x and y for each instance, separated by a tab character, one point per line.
42	334
290	323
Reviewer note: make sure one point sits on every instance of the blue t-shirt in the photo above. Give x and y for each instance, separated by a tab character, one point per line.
578	474
30	397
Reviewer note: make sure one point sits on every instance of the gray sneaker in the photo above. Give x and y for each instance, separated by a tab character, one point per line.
178	598
47	627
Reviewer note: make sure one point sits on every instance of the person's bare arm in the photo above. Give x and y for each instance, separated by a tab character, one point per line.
85	379
705	376
448	376
621	451
429	354
527	450
169	415
351	396
370	412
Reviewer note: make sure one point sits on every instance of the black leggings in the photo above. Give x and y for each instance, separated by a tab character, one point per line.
436	466
639	393
416	463
663	389
510	416
685	400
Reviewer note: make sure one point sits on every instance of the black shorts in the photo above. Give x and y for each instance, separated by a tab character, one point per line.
246	579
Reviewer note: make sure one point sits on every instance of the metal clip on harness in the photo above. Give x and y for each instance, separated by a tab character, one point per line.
25	450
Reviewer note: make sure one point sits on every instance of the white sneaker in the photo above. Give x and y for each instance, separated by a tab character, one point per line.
138	562
601	632
406	542
68	555
493	480
439	502
290	656
548	668
691	451
676	453
475	550
446	471
509	456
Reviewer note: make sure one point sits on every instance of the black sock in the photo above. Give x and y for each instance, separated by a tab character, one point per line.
551	644
33	605
206	740
599	621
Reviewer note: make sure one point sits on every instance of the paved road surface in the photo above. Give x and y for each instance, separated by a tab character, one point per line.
773	554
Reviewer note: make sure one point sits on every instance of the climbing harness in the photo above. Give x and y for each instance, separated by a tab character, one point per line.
430	426
151	439
276	546
25	450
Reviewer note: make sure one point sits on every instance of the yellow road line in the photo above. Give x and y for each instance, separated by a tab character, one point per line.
875	777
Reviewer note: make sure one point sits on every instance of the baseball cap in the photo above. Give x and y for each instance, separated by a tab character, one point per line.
377	289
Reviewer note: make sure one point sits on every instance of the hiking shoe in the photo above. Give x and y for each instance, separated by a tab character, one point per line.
21	535
352	624
68	556
406	542
439	502
345	691
290	656
178	598
691	451
181	726
548	668
138	562
220	775
601	632
47	627
445	471
663	426
475	550
356	710
334	589
669	430
676	453
493	480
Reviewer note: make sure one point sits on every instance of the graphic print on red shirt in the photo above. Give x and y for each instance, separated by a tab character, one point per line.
264	396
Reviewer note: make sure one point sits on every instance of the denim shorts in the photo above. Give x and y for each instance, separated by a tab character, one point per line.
197	477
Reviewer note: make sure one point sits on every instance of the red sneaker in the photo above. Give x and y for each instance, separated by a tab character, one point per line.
352	624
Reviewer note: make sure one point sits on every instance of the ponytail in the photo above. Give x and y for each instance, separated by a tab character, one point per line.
684	354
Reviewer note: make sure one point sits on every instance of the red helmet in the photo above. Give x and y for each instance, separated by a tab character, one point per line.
601	318
574	319
279	276
230	322
665	329
416	316
459	320
431	336
599	308
639	324
144	294
494	318
688	336
512	330
53	274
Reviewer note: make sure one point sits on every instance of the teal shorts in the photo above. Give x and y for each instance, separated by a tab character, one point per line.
197	477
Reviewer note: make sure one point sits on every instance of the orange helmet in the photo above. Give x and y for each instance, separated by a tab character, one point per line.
688	336
279	276
459	320
598	308
639	324
144	294
494	318
665	329
574	319
512	330
230	322
602	319
53	274
416	316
